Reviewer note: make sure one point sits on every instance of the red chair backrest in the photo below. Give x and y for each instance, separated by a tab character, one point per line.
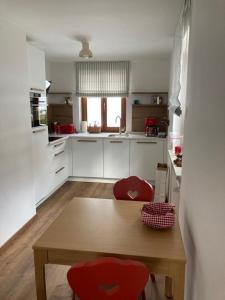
133	188
108	278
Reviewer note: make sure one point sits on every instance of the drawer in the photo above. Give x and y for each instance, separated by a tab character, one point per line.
58	176
58	159
59	146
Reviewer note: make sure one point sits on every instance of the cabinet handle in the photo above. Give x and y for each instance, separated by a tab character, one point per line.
146	142
39	130
36	89
87	141
57	145
59	170
116	142
59	153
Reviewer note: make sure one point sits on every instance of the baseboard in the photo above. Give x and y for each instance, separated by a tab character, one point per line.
8	243
87	179
51	193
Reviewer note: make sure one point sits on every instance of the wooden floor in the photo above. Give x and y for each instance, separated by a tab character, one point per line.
16	261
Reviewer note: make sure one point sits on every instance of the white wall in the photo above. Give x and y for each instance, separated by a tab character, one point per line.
16	184
150	75
202	205
147	75
62	75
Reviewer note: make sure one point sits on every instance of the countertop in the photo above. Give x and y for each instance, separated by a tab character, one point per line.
106	135
177	170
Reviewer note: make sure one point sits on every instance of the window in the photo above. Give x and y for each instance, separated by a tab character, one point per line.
103	112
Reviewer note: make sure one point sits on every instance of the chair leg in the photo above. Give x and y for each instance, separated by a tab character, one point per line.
143	297
153	277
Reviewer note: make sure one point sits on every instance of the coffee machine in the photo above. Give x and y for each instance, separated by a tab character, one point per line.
151	128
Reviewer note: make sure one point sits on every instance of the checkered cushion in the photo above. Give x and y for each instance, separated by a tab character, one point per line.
158	215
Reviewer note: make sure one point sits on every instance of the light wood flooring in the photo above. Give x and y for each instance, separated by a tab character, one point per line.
16	260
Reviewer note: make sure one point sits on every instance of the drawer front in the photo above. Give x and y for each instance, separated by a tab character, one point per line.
59	146
59	176
58	160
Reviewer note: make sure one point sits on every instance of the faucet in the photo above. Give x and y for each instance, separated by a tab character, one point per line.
120	129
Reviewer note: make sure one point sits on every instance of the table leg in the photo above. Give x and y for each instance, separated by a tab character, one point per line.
168	287
40	259
178	283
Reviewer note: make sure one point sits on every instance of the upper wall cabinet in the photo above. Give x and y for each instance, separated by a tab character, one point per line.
36	68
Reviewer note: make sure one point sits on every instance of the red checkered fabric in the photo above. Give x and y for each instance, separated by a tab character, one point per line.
158	215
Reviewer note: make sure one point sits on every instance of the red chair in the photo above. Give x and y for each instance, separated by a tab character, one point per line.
136	189
133	188
108	278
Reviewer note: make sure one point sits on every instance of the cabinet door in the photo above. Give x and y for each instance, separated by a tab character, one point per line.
36	68
88	157
40	157
69	158
116	158
144	157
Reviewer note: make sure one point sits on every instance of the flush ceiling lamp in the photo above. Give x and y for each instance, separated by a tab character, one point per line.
85	51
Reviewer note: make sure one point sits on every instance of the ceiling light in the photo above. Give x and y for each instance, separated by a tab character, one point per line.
85	51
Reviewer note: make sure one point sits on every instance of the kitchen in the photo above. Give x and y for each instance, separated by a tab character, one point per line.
99	155
32	169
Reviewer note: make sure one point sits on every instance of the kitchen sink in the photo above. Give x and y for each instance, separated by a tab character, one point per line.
118	135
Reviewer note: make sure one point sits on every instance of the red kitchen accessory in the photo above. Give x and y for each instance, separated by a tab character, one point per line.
178	150
150	122
66	128
158	215
70	128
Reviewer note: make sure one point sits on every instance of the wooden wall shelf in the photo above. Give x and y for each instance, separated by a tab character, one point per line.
61	113
142	111
149	93
150	105
60	93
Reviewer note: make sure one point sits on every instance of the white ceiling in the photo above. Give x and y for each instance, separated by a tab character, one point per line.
119	29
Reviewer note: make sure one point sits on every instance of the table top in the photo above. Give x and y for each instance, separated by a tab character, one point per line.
110	227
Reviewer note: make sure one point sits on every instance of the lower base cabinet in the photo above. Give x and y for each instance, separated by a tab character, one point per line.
40	161
87	157
59	163
144	157
116	158
56	167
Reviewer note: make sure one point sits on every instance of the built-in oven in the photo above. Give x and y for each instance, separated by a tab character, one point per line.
38	106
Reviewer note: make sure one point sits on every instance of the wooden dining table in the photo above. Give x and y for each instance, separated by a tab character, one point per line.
90	228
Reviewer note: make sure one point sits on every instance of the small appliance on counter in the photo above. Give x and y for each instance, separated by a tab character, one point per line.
63	128
151	128
84	126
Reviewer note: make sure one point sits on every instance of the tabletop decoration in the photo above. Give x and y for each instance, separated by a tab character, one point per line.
158	215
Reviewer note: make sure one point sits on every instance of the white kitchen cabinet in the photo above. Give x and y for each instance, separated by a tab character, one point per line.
87	157
40	158
144	157
69	156
17	205
174	181
116	158
59	164
36	68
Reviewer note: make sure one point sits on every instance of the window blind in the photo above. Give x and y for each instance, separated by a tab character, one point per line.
102	78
